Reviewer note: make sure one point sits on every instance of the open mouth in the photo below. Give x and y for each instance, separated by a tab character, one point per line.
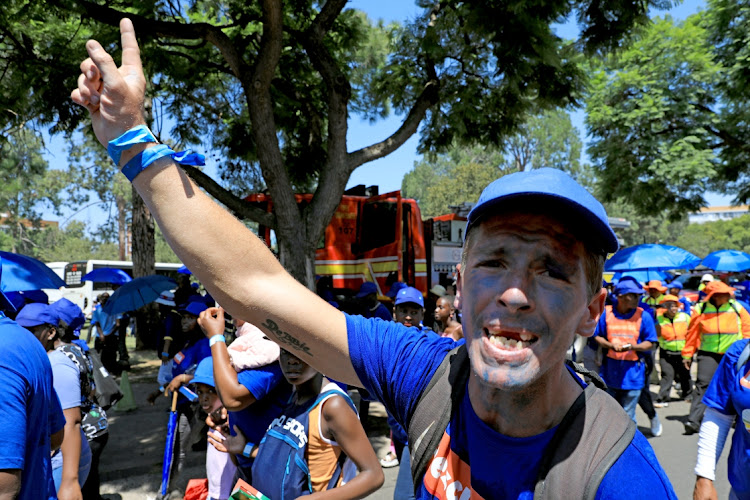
509	340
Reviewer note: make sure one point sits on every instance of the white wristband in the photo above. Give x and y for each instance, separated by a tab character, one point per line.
215	339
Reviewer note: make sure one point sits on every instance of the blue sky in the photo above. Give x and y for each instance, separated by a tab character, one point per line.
387	172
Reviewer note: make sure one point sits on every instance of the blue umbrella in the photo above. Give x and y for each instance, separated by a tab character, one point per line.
642	276
137	293
727	260
653	257
21	273
108	275
166	469
184	270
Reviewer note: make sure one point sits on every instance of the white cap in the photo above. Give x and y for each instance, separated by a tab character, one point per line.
707	277
438	290
167	298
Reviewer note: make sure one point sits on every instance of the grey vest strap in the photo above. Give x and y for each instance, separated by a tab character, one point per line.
434	408
589	440
572	467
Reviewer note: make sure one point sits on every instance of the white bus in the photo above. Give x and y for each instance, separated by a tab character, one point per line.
84	293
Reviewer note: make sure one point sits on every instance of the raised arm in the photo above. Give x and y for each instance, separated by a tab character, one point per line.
232	263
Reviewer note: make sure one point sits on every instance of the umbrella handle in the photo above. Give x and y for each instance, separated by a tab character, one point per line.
174	401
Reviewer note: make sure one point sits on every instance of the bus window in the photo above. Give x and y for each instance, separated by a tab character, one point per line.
73	274
378	226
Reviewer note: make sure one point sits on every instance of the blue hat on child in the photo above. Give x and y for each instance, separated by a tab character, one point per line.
204	373
675	284
551	184
37	314
194	308
409	294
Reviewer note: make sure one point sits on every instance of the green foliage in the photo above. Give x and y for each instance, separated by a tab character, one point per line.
651	119
654	227
702	239
71	243
727	25
461	173
455	177
27	187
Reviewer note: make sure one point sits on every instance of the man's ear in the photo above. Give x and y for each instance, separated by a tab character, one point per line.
595	309
457	301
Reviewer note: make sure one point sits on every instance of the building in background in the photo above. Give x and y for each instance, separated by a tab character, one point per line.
710	214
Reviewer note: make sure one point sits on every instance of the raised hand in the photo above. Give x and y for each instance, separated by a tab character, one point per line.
114	96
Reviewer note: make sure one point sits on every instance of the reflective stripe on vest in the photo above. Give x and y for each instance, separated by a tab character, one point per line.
654	301
626	330
673	332
720	328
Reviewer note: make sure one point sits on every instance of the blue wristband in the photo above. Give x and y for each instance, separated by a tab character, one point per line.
165	354
215	339
137	135
247	451
142	160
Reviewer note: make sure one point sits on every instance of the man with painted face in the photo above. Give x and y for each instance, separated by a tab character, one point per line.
530	280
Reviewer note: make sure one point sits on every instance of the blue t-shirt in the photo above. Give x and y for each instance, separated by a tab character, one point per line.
396	363
67	382
106	321
622	374
29	407
380	312
729	393
190	356
272	392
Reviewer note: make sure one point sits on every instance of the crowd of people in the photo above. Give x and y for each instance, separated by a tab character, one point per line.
500	413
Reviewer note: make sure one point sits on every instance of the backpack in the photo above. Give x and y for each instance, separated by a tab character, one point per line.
283	448
94	419
571	467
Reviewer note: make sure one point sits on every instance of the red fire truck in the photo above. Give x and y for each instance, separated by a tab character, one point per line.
382	238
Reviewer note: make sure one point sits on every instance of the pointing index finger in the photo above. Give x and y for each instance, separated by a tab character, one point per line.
131	54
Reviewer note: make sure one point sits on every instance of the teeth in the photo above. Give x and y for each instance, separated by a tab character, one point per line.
511	344
525	337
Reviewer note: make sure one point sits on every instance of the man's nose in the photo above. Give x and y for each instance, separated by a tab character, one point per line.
515	296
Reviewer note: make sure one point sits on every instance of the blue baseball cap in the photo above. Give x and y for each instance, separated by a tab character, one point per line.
204	373
395	288
409	294
69	312
551	184
675	284
37	314
628	286
194	308
367	288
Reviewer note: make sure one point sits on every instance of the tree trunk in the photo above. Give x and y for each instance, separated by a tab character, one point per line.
297	254
121	228
144	260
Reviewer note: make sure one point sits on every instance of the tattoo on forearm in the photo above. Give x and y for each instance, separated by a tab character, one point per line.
285	338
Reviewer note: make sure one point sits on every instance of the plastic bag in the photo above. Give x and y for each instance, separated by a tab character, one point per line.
165	374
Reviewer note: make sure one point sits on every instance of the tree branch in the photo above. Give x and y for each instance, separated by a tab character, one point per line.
238	206
425	101
192	31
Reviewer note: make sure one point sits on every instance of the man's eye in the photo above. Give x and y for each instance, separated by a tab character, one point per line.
554	273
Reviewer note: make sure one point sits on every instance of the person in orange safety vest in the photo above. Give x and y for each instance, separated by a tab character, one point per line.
626	332
718	323
671	328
